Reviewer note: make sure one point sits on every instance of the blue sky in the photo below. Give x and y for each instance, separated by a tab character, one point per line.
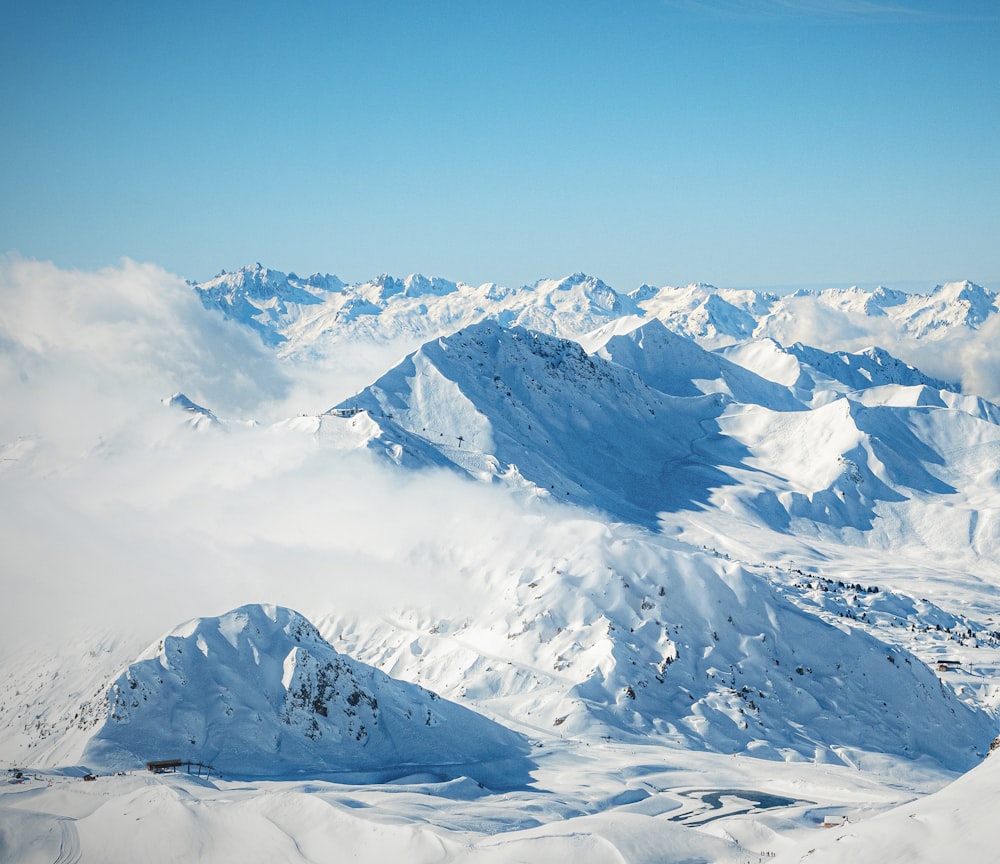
779	142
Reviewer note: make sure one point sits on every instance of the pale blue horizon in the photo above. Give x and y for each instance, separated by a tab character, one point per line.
771	143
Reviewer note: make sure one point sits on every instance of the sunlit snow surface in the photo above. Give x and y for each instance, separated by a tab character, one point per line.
615	598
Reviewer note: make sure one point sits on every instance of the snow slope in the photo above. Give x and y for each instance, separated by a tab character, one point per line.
803	450
719	593
257	692
678	366
813	374
948	825
512	403
629	638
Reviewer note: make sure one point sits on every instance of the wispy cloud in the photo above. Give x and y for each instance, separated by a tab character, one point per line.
964	356
82	353
115	514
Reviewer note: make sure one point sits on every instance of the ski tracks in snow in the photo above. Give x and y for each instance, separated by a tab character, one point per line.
69	842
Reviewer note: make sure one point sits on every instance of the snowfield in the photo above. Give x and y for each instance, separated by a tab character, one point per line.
421	570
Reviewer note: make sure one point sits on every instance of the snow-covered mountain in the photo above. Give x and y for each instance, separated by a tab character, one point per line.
198	416
267	300
678	366
812	443
257	692
314	312
692	649
721	581
726	315
517	404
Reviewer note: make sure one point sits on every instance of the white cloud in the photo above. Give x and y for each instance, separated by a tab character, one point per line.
142	537
968	357
85	352
116	514
812	322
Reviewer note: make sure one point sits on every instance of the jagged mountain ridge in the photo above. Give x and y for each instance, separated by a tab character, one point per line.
512	403
678	366
258	692
303	315
320	310
812	454
863	369
721	315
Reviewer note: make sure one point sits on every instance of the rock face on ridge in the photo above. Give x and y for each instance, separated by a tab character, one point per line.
257	692
650	423
497	401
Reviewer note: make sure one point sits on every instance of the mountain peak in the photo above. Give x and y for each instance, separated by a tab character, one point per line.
198	415
258	692
573	280
975	295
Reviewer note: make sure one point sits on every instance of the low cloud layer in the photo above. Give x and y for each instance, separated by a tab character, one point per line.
964	356
85	352
116	513
143	538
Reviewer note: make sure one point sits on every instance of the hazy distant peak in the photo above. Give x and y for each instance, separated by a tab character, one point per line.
978	301
643	292
198	417
307	317
591	286
884	297
257	283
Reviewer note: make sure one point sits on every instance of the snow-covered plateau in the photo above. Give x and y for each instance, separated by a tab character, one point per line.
418	570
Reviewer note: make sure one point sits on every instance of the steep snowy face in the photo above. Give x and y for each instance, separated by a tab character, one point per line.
954	304
797	439
816	376
510	403
903	469
860	370
257	692
883	298
570	306
678	366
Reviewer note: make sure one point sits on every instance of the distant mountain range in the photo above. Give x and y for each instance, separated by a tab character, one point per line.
305	314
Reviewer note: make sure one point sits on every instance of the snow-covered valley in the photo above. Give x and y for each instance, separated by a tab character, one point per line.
477	573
